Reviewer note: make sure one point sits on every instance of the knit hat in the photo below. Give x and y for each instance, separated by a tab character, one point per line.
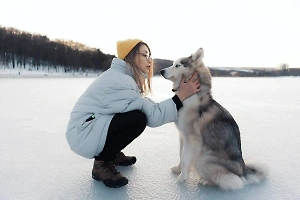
125	46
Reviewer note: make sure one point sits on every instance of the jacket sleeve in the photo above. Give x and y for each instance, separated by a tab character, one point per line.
157	113
125	98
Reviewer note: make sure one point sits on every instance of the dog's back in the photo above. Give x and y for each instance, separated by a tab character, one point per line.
221	135
221	162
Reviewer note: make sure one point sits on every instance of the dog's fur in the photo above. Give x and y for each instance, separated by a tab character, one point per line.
209	136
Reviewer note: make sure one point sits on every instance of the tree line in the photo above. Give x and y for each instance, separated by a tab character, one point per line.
19	48
234	72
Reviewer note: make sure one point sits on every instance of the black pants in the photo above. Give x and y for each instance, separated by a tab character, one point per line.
123	129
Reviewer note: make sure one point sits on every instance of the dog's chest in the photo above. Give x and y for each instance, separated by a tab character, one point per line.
187	118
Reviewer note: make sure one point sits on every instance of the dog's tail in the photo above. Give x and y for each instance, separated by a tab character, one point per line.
256	172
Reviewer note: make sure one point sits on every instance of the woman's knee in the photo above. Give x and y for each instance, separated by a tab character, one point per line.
141	117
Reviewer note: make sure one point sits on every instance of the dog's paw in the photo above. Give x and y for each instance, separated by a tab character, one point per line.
176	169
182	178
203	181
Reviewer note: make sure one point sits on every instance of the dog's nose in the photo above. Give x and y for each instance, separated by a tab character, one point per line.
162	72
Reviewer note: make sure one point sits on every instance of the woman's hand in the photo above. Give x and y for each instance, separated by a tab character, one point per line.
187	89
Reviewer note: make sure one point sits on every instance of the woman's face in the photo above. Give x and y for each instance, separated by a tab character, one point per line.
143	59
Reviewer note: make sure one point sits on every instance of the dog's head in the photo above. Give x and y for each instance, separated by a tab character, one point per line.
185	67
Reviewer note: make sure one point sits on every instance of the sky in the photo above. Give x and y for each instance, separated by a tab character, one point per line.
233	33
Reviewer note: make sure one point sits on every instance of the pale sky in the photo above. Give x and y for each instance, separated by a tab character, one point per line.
233	33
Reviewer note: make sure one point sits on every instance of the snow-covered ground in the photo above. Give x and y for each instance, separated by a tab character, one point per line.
17	72
36	162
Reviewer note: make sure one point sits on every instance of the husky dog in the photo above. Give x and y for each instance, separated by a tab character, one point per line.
209	136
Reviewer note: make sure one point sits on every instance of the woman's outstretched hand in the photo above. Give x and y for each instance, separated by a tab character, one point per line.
187	89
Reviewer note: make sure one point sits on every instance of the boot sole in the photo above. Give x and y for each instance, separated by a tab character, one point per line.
122	182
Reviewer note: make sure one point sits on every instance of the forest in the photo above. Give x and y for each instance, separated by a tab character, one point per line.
19	49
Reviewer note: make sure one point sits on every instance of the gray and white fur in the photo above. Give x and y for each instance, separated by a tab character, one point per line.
209	136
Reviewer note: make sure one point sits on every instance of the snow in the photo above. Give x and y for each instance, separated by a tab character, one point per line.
19	72
36	162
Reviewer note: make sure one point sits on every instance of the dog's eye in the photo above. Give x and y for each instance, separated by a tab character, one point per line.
177	65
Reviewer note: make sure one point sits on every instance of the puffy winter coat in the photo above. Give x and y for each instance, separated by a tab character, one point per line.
114	91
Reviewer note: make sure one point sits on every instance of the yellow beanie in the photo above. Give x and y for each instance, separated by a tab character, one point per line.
125	46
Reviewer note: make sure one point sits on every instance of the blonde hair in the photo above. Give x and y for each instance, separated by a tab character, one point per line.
145	85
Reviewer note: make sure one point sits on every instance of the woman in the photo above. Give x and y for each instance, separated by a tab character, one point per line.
113	111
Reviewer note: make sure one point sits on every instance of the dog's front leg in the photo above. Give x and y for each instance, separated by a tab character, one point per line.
186	160
177	169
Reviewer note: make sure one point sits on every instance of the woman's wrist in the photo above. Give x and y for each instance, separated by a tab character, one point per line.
181	96
177	101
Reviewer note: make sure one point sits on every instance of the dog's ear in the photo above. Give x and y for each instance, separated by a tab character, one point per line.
198	54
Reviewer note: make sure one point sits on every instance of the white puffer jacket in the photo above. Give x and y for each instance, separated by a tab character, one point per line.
114	91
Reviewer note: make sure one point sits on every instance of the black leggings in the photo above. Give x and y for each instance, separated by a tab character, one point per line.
123	129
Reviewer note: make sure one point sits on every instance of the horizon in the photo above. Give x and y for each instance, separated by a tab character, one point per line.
260	33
